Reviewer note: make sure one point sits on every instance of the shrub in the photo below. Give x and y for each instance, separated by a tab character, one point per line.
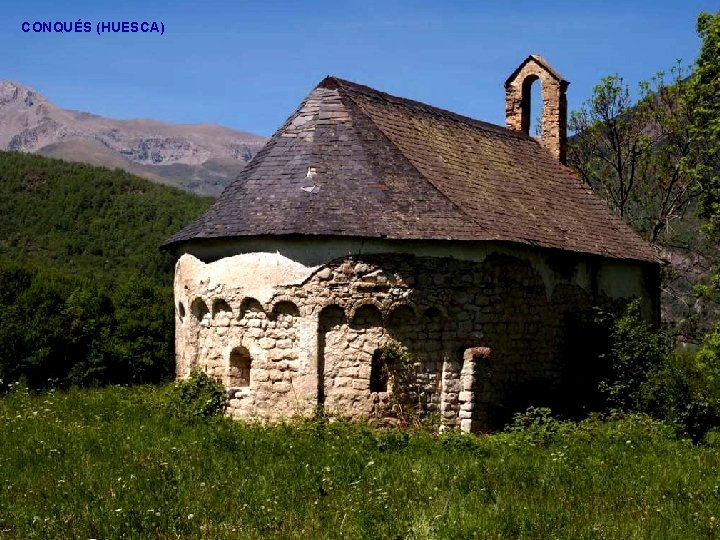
621	427
685	389
537	426
199	397
679	387
712	438
636	351
402	376
462	442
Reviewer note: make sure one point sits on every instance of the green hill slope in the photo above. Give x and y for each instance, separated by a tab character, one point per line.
85	294
88	220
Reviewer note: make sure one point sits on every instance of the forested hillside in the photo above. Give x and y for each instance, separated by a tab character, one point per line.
85	293
651	153
88	220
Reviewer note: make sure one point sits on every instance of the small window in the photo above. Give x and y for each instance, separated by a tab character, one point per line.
239	371
378	372
401	316
285	311
181	310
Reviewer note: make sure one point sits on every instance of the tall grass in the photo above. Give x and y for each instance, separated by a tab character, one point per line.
116	463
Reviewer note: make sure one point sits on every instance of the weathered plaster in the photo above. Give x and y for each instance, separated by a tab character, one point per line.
618	278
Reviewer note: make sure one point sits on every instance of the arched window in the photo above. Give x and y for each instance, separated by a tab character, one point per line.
378	372
401	315
535	108
239	369
181	311
285	307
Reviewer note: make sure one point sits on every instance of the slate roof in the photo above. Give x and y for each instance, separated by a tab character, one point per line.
353	161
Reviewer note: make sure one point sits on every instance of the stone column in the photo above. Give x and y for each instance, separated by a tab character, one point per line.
475	388
450	387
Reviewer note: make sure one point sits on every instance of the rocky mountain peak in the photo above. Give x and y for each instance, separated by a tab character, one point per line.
202	158
11	91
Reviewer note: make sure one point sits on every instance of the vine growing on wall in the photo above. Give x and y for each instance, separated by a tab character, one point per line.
402	371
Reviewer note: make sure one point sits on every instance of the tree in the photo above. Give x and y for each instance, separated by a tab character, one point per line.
705	124
632	153
58	329
144	318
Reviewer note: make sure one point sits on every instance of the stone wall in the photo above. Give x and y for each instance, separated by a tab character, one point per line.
483	339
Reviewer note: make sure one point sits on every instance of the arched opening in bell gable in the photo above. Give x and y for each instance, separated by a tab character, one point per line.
532	104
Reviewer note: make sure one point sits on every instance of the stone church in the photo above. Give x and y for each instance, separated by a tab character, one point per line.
373	231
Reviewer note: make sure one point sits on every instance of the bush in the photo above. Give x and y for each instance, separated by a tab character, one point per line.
636	352
392	440
402	376
685	389
681	387
712	438
537	426
459	441
199	397
144	331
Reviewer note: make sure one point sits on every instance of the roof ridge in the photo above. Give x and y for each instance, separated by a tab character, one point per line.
539	59
415	168
332	81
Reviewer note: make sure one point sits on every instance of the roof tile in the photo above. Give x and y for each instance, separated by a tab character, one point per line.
388	167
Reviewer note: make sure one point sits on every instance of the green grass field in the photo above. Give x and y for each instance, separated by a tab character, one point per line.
116	463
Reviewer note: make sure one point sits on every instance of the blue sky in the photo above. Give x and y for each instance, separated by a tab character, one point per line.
247	64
